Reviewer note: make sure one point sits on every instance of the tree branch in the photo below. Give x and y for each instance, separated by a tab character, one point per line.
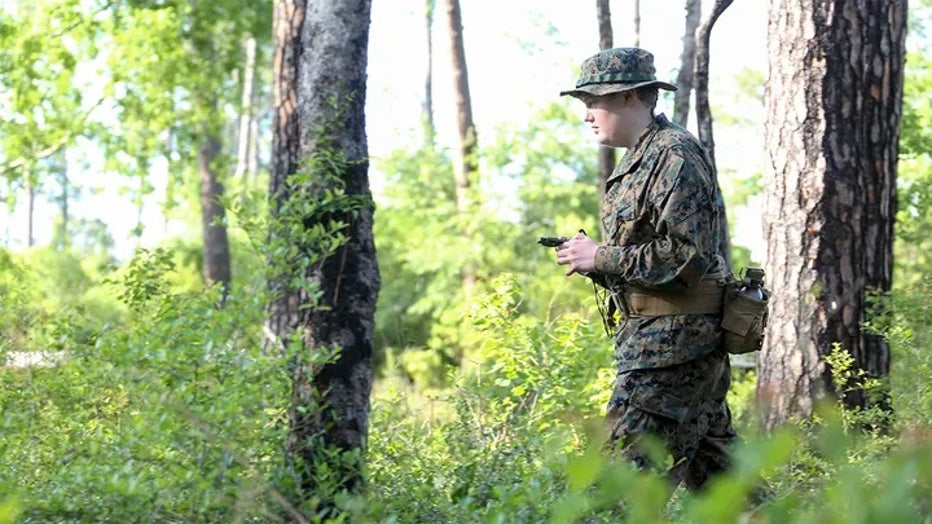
703	114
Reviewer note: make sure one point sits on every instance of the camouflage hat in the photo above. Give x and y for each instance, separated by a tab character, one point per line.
616	70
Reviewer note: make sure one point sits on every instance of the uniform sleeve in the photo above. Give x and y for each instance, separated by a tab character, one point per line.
684	213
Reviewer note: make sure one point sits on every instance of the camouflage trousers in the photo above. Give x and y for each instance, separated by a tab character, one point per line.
681	406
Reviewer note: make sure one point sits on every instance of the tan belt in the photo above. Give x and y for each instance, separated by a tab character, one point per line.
705	298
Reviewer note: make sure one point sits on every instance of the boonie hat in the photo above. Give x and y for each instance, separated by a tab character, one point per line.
616	70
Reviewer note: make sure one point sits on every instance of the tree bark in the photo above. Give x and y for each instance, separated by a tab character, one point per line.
213	217
430	131
606	41
703	114
686	74
30	208
245	137
833	104
61	166
329	302
637	23
466	164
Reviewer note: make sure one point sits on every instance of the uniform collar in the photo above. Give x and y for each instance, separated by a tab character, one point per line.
634	155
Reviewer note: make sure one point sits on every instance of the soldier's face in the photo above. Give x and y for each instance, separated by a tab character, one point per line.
611	118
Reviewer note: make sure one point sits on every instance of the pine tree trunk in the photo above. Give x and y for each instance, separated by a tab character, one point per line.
703	113
606	41
833	105
637	23
30	209
245	137
320	94
465	165
686	74
62	166
213	217
430	130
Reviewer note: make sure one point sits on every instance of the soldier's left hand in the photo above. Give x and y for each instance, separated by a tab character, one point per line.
579	253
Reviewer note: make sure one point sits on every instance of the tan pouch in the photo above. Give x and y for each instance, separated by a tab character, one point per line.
743	320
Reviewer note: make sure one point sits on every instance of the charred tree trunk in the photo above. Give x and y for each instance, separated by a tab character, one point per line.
606	41
325	296
466	164
686	74
213	217
833	105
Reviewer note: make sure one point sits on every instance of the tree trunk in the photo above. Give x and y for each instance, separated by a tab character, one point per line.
30	208
430	131
245	137
213	217
465	165
686	75
833	103
61	166
606	41
326	295
703	113
637	23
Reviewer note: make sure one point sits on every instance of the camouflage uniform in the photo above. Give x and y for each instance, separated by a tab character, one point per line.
664	220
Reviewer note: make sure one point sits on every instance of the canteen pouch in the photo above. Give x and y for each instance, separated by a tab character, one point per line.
743	320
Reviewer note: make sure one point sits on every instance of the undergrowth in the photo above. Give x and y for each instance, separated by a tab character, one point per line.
177	415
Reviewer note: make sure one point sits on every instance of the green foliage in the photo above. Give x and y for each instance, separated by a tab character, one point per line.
310	222
903	318
497	449
518	440
174	414
41	94
45	294
914	176
422	253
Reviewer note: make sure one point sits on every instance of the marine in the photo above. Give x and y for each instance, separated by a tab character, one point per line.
664	265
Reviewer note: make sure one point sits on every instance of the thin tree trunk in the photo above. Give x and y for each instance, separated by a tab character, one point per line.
252	163
244	142
686	74
329	301
703	113
63	203
465	165
30	208
213	217
637	23
833	104
430	130
606	41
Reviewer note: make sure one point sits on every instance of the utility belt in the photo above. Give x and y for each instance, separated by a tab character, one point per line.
705	298
743	317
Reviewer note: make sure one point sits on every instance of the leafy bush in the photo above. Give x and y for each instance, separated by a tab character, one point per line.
518	440
174	415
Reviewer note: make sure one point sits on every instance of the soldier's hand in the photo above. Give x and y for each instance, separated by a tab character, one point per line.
578	253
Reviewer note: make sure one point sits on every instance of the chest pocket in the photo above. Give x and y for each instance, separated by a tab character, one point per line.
618	219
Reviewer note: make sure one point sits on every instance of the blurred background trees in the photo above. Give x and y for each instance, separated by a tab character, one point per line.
167	406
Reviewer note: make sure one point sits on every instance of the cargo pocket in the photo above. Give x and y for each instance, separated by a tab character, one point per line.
660	403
